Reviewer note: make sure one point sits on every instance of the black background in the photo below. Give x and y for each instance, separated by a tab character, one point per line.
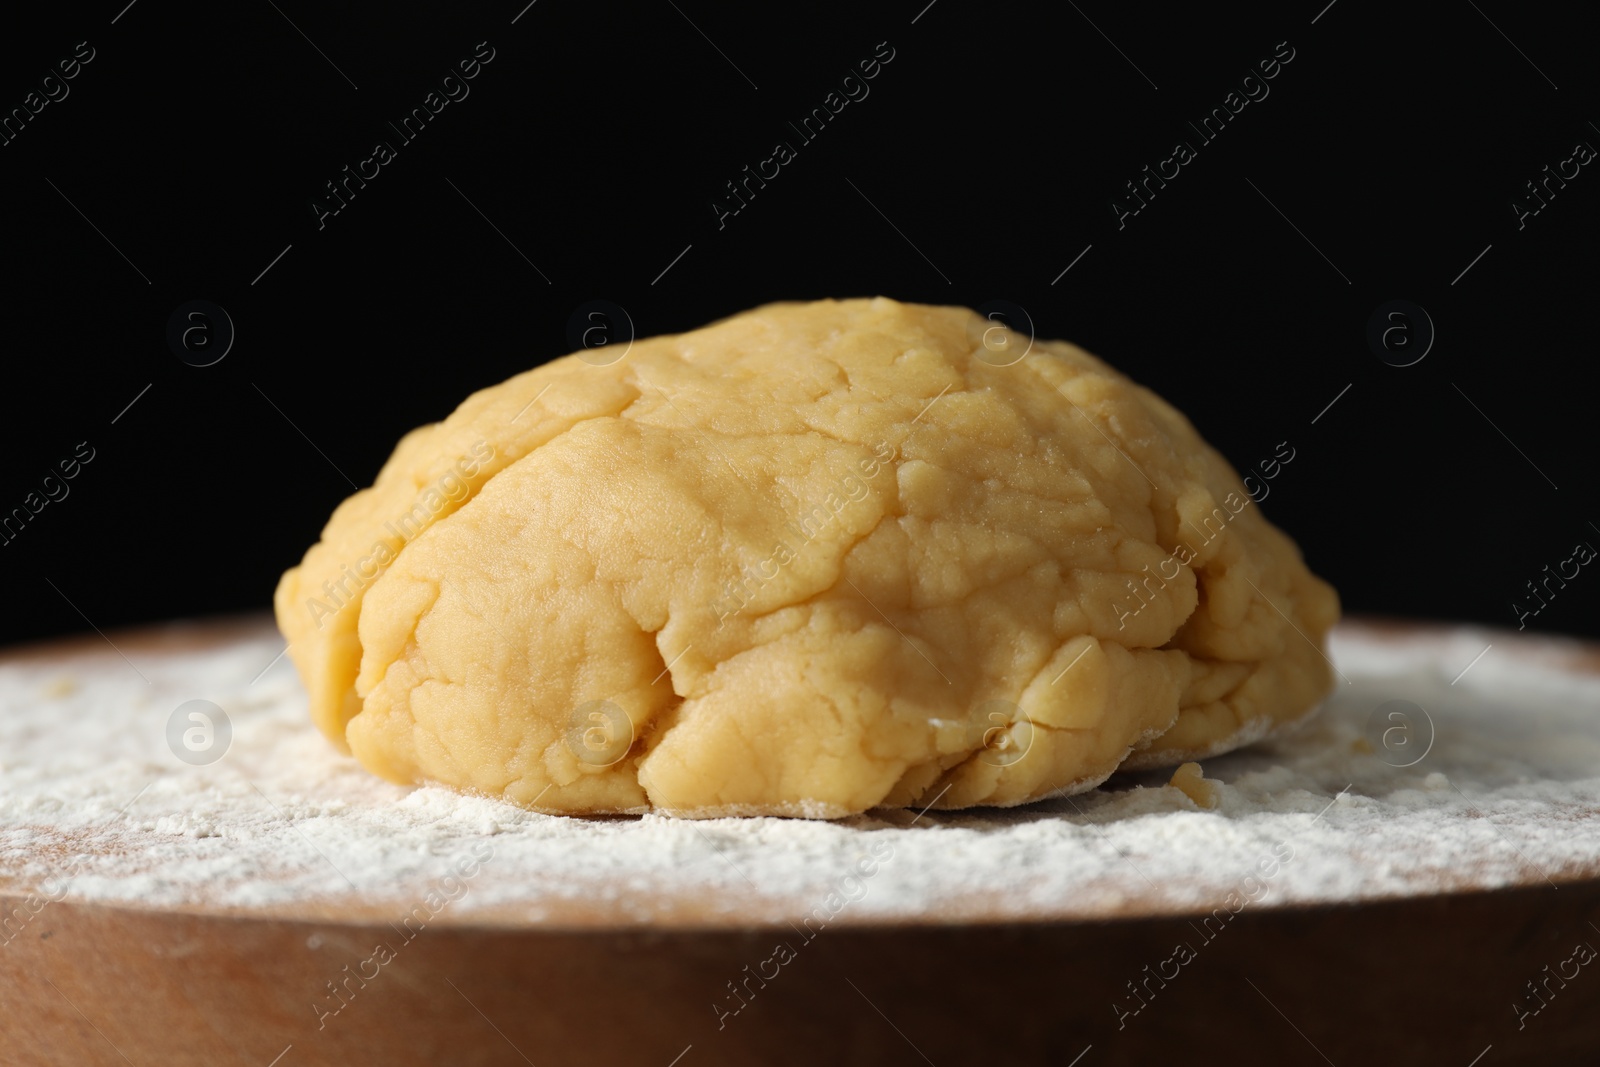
984	161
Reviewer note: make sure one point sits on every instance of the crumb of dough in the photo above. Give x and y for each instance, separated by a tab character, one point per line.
1189	780
60	687
808	560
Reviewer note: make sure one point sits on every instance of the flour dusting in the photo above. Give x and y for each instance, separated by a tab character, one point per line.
95	807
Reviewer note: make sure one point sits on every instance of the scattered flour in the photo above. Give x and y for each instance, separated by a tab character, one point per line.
94	807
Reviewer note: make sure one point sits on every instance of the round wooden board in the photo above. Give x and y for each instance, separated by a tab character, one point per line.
1424	979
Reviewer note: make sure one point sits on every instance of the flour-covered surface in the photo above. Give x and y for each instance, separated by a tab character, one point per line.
94	806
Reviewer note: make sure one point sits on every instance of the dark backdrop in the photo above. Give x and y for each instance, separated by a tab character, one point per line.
183	159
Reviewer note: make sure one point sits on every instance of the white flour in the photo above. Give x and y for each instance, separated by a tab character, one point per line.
1508	793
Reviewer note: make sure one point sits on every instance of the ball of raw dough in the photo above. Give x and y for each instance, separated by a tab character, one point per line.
808	560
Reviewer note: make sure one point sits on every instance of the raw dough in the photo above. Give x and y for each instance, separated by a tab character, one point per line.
808	560
1190	780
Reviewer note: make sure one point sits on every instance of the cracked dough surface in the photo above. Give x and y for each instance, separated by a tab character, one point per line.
808	560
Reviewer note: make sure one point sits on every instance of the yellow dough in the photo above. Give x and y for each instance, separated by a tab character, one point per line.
808	560
1190	780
